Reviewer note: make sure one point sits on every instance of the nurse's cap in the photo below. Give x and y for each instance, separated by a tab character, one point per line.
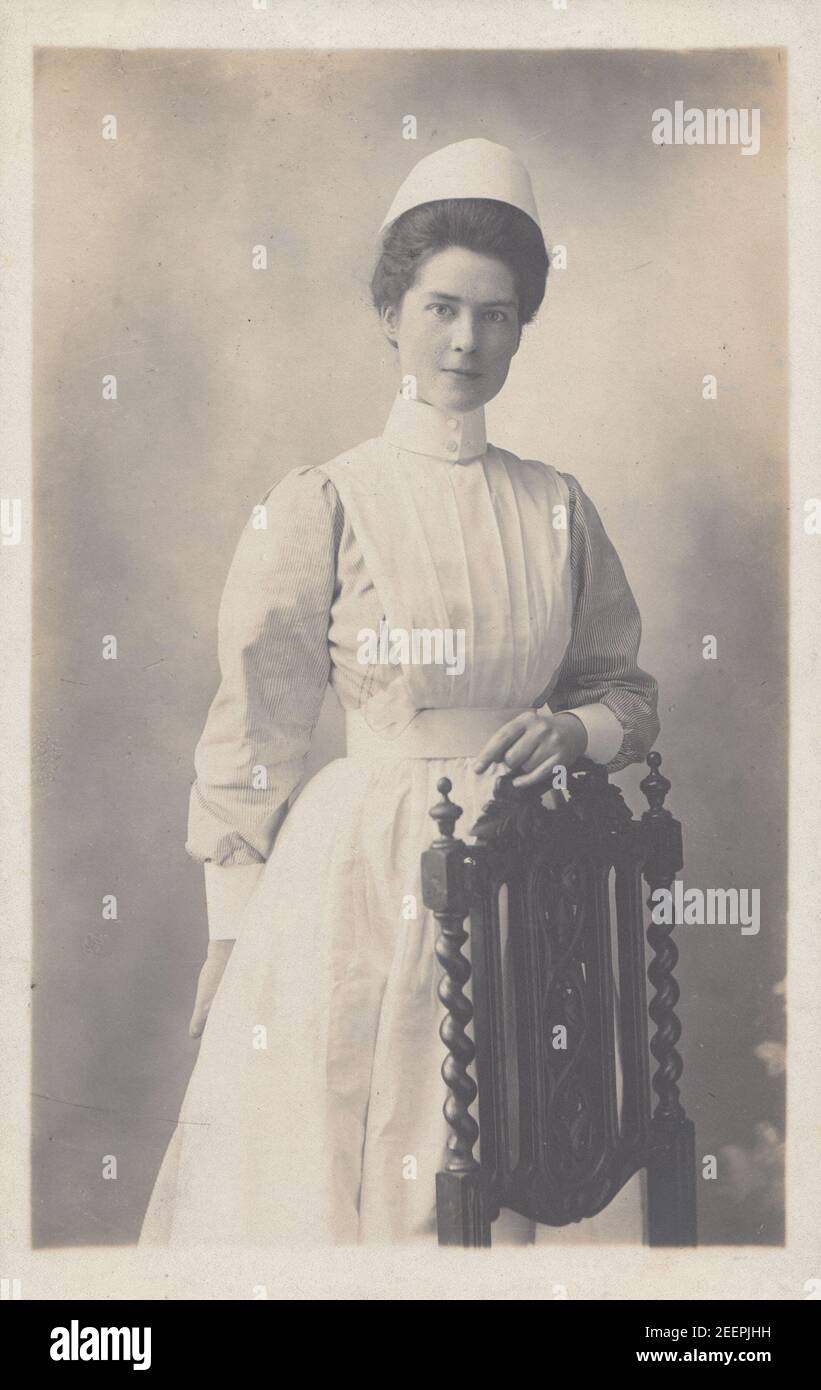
468	169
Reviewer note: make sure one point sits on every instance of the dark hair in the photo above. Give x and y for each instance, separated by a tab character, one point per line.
484	225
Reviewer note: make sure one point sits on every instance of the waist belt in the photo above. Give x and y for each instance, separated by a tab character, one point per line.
459	732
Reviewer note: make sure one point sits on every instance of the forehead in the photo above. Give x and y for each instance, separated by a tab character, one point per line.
466	274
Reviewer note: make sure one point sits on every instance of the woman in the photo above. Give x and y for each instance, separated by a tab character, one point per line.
314	1112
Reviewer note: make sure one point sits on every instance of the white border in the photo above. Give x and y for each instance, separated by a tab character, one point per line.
589	1273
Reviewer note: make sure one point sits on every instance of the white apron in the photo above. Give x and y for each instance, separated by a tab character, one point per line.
314	1111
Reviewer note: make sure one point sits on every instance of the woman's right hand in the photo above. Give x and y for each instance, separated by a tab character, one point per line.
208	982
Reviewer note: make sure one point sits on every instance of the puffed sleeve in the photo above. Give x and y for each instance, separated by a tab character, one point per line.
274	664
600	680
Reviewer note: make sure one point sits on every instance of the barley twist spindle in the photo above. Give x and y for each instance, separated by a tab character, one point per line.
451	937
461	1210
461	1051
664	861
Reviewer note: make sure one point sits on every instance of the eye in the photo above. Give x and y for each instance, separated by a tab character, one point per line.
500	315
441	311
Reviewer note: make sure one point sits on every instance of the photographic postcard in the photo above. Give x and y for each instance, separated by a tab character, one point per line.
394	402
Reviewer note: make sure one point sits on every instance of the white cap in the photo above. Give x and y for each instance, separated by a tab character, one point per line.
468	169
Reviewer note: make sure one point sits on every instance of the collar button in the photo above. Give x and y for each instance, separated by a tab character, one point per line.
453	424
453	447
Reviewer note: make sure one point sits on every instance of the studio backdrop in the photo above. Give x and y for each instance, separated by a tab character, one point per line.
655	373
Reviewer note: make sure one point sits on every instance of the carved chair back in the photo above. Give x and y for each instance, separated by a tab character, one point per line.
560	1056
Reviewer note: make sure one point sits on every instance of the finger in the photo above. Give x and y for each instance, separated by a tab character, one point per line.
495	746
539	774
199	1014
526	748
199	1018
540	755
197	1023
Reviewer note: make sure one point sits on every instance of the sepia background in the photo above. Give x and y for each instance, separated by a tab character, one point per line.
228	377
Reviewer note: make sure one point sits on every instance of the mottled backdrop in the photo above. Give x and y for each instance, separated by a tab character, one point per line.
228	377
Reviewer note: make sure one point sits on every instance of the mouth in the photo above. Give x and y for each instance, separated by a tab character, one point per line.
458	371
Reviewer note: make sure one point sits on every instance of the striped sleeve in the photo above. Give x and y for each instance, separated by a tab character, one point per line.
274	664
600	667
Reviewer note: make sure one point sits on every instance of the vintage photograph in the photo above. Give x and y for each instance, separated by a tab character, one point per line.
410	687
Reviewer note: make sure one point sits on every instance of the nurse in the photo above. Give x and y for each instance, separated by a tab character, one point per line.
314	1111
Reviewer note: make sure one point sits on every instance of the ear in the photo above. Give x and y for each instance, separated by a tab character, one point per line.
518	342
389	319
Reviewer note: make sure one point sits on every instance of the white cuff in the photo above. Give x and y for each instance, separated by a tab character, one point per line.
228	888
605	734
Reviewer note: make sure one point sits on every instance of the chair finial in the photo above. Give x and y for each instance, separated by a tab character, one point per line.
446	813
655	785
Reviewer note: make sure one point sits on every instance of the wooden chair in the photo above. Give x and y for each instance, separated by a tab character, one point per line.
547	1020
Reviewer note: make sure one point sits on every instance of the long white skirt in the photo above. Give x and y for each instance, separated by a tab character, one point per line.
314	1111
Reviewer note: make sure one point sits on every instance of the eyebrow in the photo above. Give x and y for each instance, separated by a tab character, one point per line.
490	304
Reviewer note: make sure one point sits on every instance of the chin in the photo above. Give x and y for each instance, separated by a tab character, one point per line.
463	395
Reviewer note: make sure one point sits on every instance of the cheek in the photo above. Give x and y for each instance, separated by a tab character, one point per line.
434	340
501	350
423	337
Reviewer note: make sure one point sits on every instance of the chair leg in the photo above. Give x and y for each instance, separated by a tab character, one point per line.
671	1185
461	1216
461	1211
671	1167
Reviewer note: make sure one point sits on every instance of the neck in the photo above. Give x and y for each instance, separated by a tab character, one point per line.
419	427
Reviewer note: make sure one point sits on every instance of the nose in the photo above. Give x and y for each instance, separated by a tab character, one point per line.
463	337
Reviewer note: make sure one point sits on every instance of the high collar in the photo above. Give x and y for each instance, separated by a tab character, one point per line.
420	428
